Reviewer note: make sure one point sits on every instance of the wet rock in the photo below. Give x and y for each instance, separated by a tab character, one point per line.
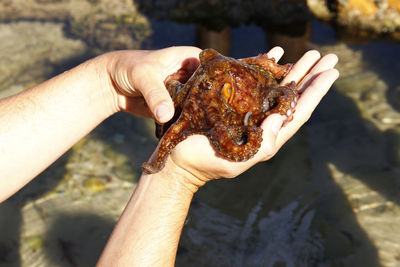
358	83
284	236
364	7
368	91
393	146
30	51
362	153
94	184
217	15
97	165
362	18
375	213
388	117
105	24
34	242
394	97
126	173
88	196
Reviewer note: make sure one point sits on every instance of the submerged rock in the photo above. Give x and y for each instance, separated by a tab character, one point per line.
217	15
114	24
94	184
30	52
34	242
357	137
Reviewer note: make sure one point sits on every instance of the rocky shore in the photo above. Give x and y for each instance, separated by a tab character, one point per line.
360	18
330	197
103	24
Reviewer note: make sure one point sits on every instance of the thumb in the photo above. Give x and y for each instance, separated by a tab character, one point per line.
271	126
155	94
159	101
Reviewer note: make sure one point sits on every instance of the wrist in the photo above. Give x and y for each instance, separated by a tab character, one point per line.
119	68
178	179
104	88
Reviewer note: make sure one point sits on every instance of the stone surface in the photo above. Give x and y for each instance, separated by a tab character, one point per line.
218	14
365	165
102	24
364	18
32	50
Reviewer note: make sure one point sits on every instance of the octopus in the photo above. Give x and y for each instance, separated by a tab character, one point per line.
226	100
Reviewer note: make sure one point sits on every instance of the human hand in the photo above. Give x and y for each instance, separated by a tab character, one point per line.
137	79
314	77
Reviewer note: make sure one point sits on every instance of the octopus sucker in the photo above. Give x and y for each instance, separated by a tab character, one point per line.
246	118
226	100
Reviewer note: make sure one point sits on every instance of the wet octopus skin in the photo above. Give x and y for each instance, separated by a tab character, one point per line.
226	100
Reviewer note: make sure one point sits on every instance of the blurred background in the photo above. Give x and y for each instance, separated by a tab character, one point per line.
330	197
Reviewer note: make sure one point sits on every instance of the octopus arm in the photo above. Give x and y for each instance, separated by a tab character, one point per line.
175	134
287	97
262	60
227	147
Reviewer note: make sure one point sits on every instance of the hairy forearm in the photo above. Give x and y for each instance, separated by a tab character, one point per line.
148	232
39	125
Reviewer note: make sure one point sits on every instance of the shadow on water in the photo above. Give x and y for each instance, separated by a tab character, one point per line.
384	58
11	214
275	186
372	146
335	219
77	239
71	237
10	223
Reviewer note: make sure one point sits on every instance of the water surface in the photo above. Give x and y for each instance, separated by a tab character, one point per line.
330	197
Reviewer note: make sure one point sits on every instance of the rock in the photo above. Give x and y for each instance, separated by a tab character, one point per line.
114	24
394	97
395	4
364	7
217	15
30	51
94	184
388	117
34	242
362	18
358	83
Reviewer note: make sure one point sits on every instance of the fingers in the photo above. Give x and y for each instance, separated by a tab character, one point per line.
308	101
152	87
326	63
301	68
153	90
151	77
271	126
174	58
276	53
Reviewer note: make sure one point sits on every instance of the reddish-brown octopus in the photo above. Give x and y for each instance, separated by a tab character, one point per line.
226	100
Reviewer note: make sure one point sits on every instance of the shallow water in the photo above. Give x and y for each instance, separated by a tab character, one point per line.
330	197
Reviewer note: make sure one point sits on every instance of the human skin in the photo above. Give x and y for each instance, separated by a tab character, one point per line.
40	124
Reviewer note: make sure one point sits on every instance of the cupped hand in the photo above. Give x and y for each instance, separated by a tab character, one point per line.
137	79
313	75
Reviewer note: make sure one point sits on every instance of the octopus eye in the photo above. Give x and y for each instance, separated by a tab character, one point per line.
228	92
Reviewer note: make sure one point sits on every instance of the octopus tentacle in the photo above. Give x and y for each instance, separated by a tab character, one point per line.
226	146
226	100
286	101
175	134
269	64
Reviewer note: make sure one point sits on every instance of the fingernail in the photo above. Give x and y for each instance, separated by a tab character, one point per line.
276	125
163	112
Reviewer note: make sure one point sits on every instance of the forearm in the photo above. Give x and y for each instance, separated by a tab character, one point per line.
40	124
148	232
